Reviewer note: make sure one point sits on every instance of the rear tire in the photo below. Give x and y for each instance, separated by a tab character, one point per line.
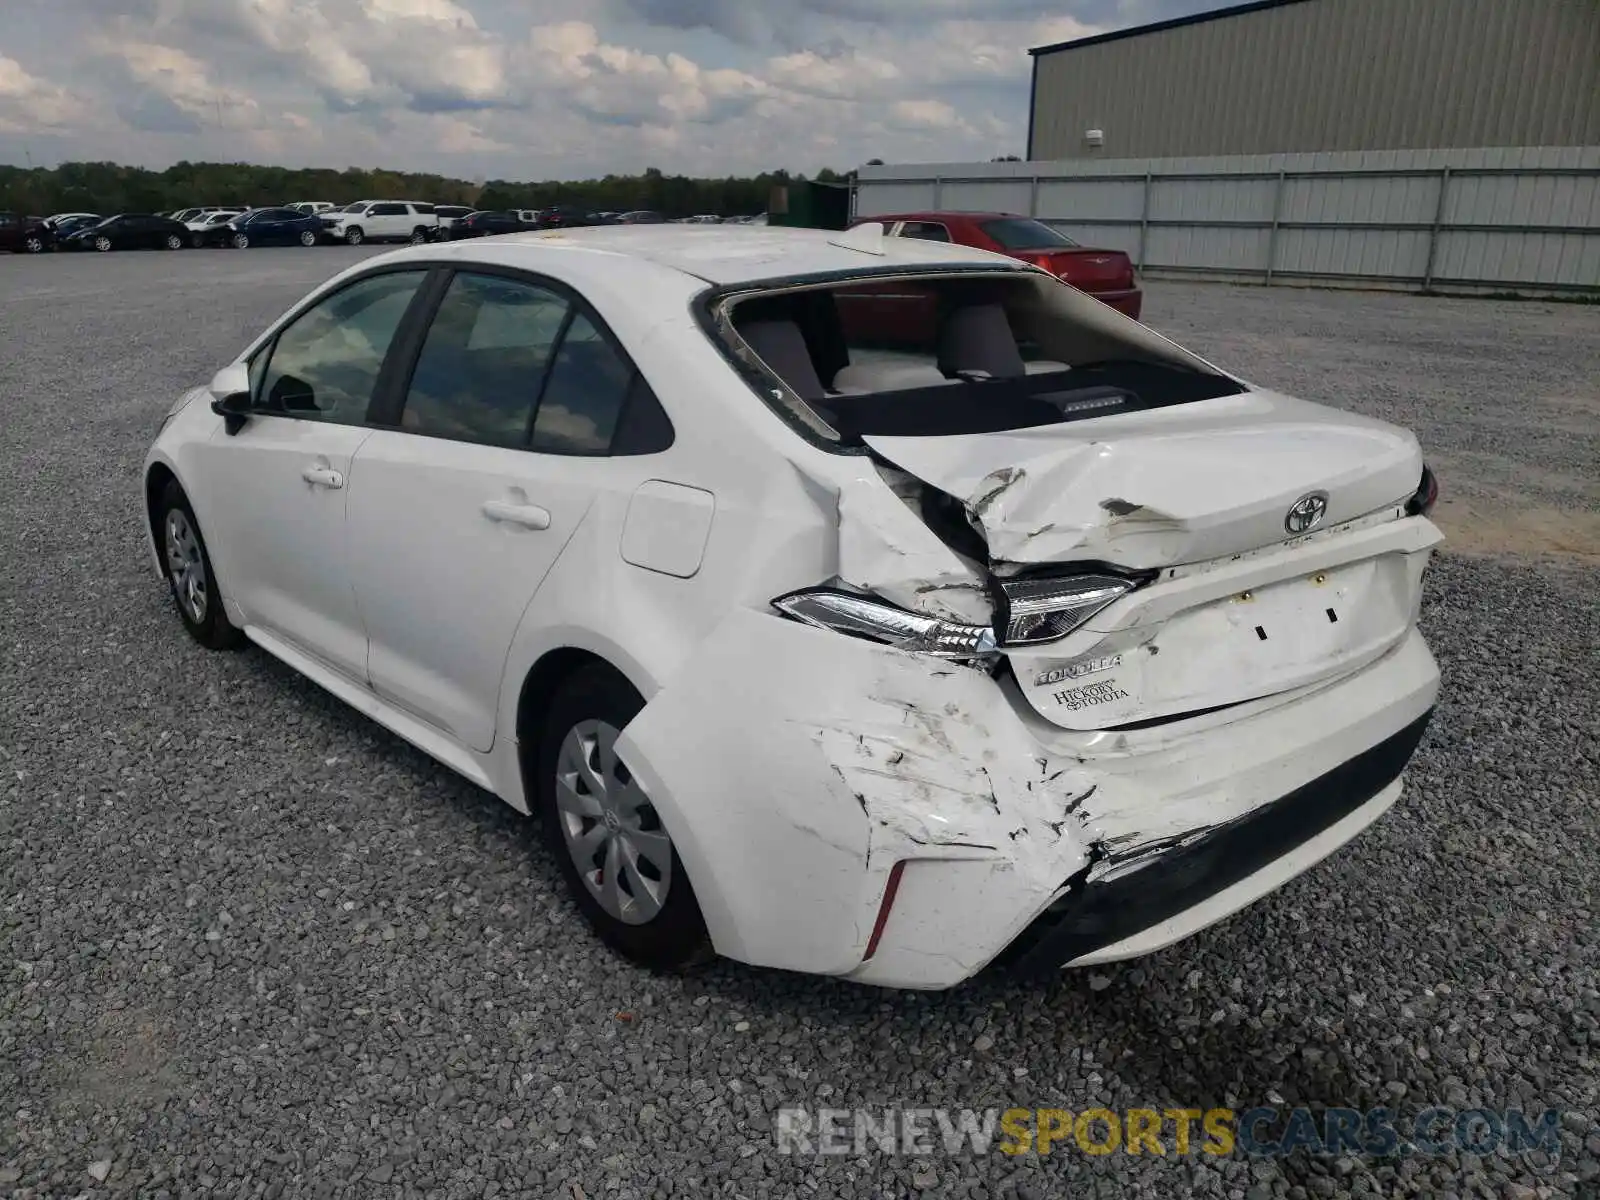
419	235
33	244
174	242
594	816
307	238
102	244
189	572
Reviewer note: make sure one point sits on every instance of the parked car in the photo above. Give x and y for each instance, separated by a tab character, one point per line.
314	207
564	216
208	228
485	224
64	224
878	665
642	216
20	234
265	227
130	231
381	221
1107	275
703	219
450	215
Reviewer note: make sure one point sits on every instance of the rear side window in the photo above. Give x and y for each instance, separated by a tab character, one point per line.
927	231
508	362
484	360
584	398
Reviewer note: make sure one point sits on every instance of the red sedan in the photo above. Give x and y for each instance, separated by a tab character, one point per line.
1106	275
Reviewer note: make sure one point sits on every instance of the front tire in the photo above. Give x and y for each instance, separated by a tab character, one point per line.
241	241
189	573
354	237
102	244
615	855
33	244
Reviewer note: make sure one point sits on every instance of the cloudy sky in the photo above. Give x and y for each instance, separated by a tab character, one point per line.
532	89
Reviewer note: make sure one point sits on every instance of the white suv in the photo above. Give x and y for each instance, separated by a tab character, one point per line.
382	221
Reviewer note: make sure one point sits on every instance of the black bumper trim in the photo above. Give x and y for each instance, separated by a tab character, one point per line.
1094	916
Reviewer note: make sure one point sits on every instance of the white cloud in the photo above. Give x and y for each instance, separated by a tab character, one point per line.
510	89
30	103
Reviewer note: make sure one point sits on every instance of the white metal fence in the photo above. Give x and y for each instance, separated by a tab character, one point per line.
1525	221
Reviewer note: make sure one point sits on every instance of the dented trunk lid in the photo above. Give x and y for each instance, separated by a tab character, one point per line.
1242	608
1169	486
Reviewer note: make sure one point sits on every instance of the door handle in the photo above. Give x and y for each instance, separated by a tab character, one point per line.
529	516
322	477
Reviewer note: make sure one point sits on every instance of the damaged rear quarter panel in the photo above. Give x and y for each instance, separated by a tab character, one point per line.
794	767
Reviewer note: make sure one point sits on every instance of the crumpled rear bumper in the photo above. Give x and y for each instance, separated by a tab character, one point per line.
796	768
1160	903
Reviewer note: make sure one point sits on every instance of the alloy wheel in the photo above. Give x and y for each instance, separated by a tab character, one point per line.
308	238
241	241
610	828
102	244
174	242
34	244
353	237
186	566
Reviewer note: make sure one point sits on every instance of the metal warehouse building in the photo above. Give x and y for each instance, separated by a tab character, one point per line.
1282	76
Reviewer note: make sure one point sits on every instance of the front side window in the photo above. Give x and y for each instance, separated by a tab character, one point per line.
324	365
483	361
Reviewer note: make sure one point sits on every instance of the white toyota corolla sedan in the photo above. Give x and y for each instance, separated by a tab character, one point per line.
841	603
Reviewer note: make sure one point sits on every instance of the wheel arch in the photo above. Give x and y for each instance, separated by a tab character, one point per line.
538	689
156	478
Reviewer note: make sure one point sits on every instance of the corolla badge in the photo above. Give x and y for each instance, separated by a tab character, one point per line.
1306	513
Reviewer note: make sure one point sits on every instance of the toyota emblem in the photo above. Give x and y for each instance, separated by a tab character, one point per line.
1306	513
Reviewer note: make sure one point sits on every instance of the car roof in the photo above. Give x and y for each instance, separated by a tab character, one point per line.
727	254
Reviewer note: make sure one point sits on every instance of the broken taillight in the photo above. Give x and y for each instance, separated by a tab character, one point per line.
1043	610
880	621
1426	495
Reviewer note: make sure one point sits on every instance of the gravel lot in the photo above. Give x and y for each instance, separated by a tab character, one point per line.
251	944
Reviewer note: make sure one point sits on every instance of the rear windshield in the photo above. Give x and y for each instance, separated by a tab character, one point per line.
1024	233
911	356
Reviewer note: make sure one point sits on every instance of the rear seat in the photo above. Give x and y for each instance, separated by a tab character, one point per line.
859	379
978	338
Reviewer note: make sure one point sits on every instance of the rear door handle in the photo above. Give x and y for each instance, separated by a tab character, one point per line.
323	477
529	516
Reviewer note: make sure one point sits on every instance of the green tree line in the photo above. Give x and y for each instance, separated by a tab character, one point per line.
109	188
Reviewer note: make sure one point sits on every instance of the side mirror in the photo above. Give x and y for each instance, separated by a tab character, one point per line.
230	397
